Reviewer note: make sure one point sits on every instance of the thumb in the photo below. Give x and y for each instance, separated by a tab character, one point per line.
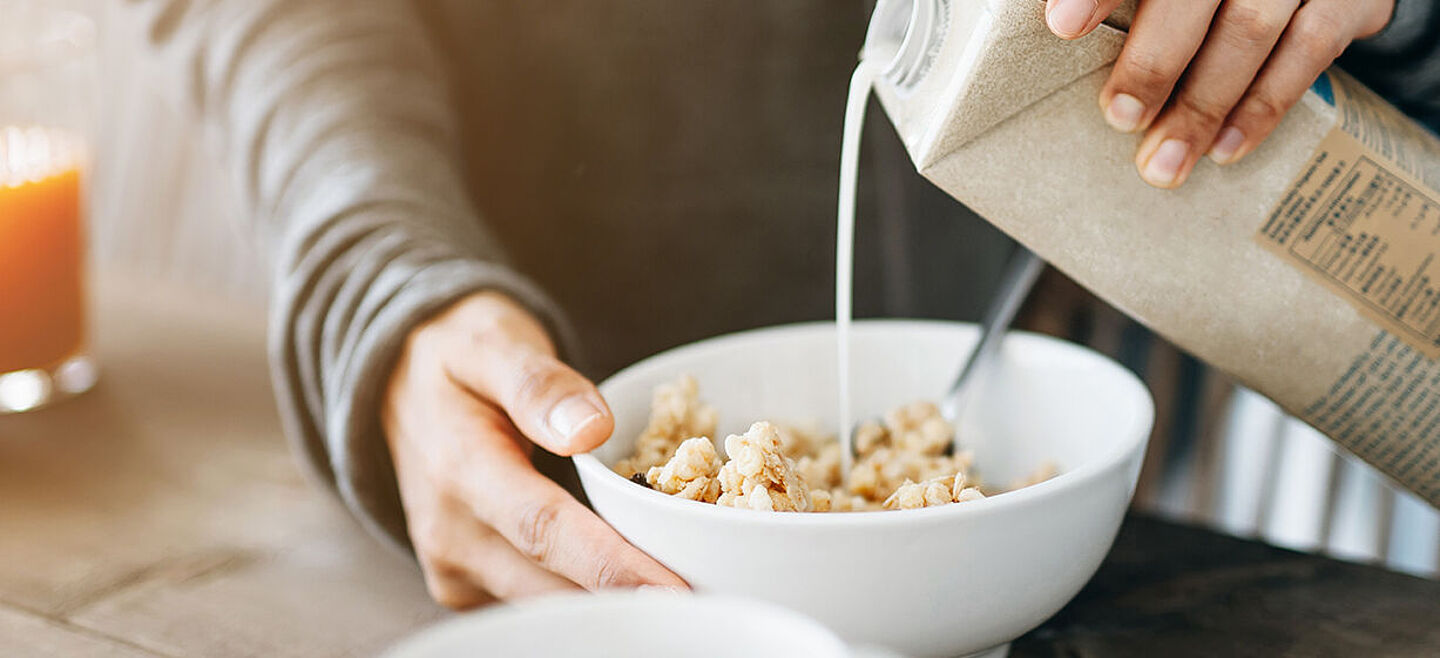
501	353
549	402
553	405
1072	19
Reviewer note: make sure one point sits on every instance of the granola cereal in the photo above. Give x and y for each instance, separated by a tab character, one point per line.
905	461
693	473
968	494
1046	471
839	500
821	469
801	439
759	476
879	474
919	428
914	495
676	414
930	493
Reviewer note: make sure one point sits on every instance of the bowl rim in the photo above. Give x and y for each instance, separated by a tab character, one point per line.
595	473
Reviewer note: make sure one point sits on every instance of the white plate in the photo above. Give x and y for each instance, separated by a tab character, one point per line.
627	625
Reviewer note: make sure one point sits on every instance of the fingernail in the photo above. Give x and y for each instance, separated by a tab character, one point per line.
1164	166
1227	146
570	415
1124	113
1068	18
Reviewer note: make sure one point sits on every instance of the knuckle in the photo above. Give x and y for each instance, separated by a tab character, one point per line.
1252	25
449	596
1200	110
538	379
486	329
1265	108
1319	35
440	584
1147	74
610	573
536	536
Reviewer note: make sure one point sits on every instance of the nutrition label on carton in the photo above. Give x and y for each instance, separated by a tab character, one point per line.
1367	227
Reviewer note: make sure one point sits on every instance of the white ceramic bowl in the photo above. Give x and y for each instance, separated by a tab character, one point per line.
942	581
631	625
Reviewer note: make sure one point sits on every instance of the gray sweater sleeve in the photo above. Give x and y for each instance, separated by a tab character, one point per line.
333	116
1402	63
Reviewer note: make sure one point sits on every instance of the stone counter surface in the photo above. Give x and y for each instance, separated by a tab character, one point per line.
1177	591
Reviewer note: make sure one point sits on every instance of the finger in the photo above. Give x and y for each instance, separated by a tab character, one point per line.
551	403
484	559
1373	16
453	589
1244	34
456	549
1164	36
1072	19
498	568
1316	36
545	524
501	353
465	562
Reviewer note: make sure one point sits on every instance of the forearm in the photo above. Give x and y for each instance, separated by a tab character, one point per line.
333	116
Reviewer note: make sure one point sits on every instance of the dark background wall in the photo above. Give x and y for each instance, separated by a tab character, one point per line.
668	169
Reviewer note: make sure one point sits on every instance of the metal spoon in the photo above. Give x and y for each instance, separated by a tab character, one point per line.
1021	273
1020	276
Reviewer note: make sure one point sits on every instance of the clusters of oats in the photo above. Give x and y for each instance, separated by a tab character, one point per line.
759	476
802	439
1046	471
905	462
913	444
935	491
676	414
917	427
693	473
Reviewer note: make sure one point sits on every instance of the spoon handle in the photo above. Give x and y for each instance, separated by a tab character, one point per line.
1020	275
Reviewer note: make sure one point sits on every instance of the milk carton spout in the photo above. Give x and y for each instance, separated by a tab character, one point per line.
904	38
949	70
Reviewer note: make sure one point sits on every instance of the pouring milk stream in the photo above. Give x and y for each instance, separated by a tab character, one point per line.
1308	271
860	85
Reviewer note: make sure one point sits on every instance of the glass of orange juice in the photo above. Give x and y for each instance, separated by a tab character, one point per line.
47	82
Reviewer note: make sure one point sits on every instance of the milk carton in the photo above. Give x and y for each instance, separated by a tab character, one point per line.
1310	271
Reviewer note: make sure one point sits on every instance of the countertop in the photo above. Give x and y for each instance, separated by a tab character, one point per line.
162	514
1178	591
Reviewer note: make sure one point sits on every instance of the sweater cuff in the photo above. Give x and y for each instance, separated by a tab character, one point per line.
359	454
1408	27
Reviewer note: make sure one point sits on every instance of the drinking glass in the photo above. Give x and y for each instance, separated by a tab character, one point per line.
47	97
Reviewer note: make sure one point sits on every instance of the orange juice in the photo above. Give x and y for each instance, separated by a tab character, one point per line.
41	297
